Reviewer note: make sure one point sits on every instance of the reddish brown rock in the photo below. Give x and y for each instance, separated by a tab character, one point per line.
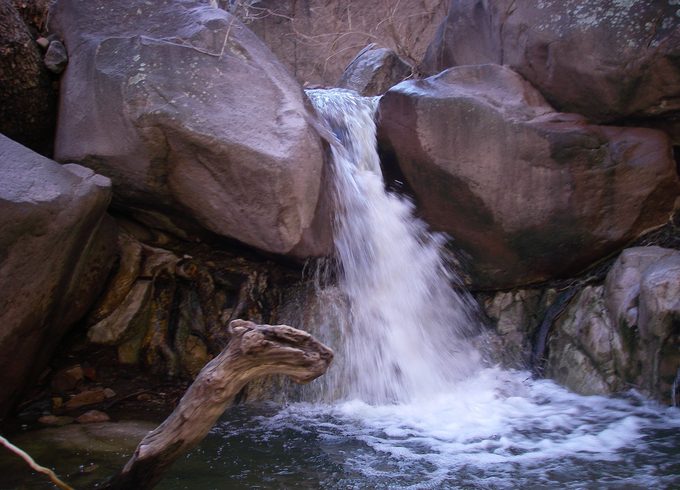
93	417
197	124
528	193
84	398
606	60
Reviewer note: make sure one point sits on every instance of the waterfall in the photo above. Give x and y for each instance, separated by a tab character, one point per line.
408	401
407	333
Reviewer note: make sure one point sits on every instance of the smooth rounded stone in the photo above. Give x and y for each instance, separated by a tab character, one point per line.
55	254
529	194
630	69
92	417
195	121
54	420
373	71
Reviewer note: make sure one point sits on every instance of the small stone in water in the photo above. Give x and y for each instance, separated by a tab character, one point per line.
93	416
109	393
55	420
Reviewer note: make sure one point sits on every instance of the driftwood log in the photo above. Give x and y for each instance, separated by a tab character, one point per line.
253	351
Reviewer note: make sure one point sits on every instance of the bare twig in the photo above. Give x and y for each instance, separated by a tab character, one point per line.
35	466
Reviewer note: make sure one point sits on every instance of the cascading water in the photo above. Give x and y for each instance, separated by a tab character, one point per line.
409	403
406	333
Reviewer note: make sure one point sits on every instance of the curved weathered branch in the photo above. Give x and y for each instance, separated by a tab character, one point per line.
33	465
253	351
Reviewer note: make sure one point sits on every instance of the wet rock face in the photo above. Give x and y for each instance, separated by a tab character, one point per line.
530	194
56	250
604	59
624	334
194	120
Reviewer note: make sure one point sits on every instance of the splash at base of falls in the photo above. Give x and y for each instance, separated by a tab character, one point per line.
497	429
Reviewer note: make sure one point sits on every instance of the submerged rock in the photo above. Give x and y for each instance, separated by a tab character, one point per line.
194	120
93	417
529	193
55	254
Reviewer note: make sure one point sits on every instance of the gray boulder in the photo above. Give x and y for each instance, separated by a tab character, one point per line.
194	120
56	249
529	193
606	60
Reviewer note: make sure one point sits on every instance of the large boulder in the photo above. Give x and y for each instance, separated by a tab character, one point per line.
316	39
528	193
194	120
606	60
56	249
28	101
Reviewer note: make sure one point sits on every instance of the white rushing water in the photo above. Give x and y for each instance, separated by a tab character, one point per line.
405	336
409	402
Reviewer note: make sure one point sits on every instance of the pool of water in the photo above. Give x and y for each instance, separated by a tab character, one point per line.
521	433
499	429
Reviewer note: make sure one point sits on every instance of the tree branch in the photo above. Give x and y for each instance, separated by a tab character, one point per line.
253	351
